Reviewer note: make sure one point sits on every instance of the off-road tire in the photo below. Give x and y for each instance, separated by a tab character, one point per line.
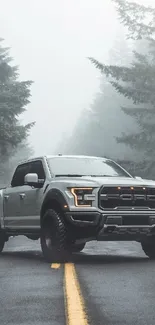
2	241
53	237
76	248
149	248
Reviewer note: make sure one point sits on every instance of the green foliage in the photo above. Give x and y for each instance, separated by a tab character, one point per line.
137	83
139	19
99	124
14	97
7	167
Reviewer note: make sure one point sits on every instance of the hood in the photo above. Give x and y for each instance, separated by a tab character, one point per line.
98	181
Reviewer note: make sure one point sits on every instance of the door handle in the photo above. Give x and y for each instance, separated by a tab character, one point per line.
6	197
22	195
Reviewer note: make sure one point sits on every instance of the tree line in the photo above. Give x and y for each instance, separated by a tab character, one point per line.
14	98
120	123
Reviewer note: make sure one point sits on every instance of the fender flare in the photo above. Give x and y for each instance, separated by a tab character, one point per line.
57	196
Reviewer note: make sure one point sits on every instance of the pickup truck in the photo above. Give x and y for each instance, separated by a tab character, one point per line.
66	201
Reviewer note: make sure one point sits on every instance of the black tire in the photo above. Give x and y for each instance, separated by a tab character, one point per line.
53	237
149	248
2	242
76	248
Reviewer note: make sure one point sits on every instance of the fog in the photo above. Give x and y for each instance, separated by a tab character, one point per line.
50	41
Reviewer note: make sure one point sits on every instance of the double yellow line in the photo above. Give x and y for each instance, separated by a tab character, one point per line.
74	302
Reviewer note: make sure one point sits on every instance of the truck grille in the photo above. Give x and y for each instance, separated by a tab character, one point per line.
126	197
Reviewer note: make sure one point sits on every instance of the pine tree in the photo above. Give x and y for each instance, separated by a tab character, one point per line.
22	152
14	97
137	83
98	125
138	19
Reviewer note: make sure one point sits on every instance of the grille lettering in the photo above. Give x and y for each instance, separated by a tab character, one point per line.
111	197
126	197
151	197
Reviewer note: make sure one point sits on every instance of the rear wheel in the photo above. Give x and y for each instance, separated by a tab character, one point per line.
53	237
149	248
75	248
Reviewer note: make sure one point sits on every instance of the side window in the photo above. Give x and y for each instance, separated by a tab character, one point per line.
18	177
37	168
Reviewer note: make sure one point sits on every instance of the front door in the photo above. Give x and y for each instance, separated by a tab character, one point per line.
33	197
22	203
13	199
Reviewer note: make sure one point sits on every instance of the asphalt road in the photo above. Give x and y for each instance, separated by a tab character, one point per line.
115	282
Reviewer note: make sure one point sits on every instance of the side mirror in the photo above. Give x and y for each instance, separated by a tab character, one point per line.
32	180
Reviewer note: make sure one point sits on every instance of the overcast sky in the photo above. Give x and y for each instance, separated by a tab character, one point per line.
50	41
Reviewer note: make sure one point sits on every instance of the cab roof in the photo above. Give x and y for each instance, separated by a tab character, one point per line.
62	156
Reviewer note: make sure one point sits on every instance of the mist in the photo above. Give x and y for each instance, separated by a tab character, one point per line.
50	41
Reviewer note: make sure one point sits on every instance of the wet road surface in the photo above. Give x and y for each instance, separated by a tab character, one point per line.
108	284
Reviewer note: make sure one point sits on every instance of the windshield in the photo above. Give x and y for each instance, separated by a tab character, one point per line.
76	167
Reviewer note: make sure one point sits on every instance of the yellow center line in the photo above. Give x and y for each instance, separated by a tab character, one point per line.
74	303
55	266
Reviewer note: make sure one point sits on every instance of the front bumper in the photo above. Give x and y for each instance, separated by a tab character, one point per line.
115	223
125	233
83	218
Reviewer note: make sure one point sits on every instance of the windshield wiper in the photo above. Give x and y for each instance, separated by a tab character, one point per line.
69	175
100	175
78	175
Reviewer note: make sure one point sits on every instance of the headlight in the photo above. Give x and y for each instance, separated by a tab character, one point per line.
83	196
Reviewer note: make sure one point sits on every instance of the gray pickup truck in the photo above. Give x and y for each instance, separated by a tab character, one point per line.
67	201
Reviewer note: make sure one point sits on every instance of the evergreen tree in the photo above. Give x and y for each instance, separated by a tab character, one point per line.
22	152
14	97
137	83
138	19
98	125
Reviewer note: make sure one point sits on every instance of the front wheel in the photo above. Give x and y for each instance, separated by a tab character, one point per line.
53	237
76	248
149	248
